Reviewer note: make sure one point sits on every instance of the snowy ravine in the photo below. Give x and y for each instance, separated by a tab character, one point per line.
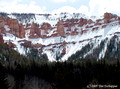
69	44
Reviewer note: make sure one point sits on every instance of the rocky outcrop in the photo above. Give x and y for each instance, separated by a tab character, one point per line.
95	28
108	17
16	28
89	21
21	31
103	26
2	24
64	51
35	31
75	32
46	27
26	44
63	28
60	28
11	45
42	30
1	39
83	31
82	22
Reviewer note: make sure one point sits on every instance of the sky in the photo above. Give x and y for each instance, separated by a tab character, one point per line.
88	7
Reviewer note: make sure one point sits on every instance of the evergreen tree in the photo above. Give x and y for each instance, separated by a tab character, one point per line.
3	76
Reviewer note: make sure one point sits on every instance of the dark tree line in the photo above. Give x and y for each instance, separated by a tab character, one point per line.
20	72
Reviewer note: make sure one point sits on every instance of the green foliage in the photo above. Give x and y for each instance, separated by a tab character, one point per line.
36	55
96	51
59	56
23	17
113	49
79	54
5	15
33	73
3	75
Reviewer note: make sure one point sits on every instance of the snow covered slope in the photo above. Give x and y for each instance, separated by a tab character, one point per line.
61	35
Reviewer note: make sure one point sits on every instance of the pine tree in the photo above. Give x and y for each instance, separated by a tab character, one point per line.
3	76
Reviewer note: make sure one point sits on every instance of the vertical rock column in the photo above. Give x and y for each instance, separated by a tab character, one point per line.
60	28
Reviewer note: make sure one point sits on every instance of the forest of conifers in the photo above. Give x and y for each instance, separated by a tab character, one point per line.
24	72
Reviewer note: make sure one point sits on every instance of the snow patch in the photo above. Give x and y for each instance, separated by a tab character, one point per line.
11	38
7	28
